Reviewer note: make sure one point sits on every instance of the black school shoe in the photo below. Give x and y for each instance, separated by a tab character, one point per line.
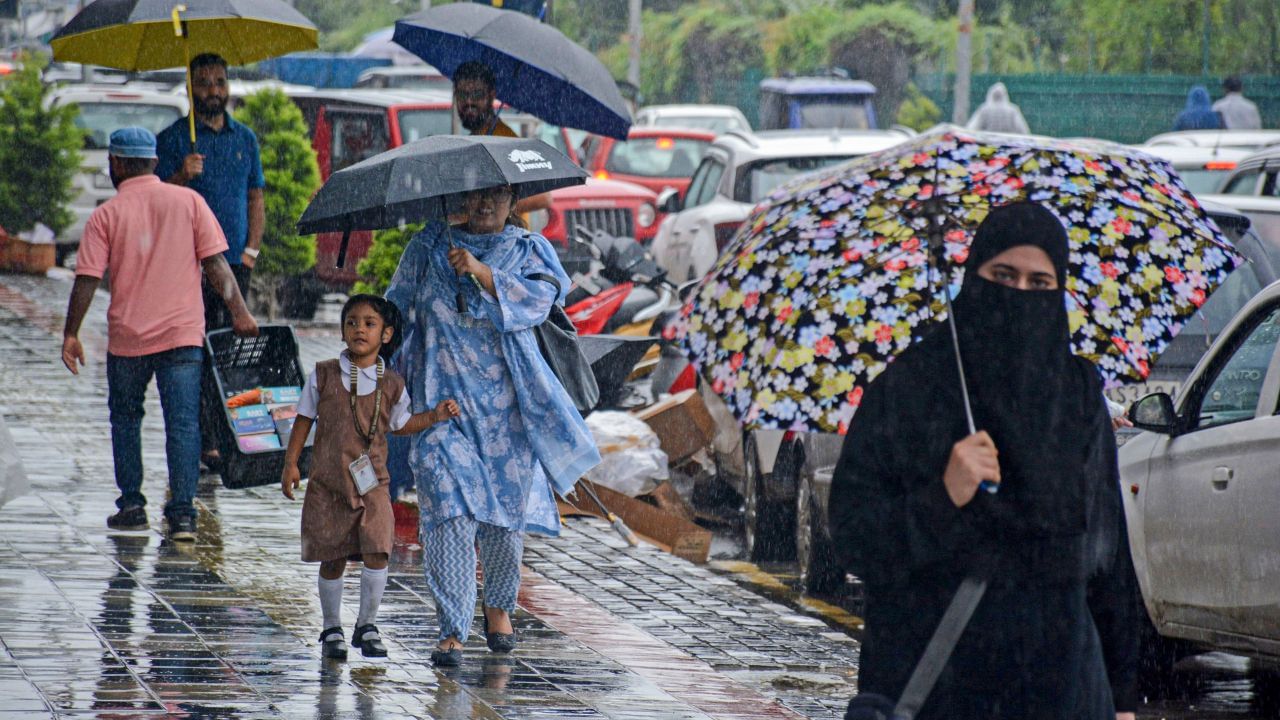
366	638
133	517
333	645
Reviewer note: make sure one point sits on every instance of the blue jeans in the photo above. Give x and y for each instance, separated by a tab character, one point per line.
177	375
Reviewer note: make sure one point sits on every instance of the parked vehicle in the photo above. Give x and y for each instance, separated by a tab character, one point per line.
618	208
1258	175
101	111
405	77
737	172
1200	496
657	158
1203	169
715	118
1247	139
816	102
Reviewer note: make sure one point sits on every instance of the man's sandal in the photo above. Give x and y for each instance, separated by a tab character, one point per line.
366	638
333	644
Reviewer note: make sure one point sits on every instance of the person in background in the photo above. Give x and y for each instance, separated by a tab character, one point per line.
224	167
998	114
154	239
1198	114
474	95
1238	113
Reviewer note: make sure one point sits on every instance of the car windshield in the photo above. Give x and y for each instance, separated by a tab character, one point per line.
758	179
833	114
418	124
552	135
1200	181
715	123
419	82
99	120
667	157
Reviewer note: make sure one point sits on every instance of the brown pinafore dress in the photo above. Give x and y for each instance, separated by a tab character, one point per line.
338	522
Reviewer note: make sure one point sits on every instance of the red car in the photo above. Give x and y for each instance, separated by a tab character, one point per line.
655	157
619	208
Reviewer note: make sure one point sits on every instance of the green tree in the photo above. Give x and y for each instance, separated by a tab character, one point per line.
917	111
292	175
39	154
379	265
882	44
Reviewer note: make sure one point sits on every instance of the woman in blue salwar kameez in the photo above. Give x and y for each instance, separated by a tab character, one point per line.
471	296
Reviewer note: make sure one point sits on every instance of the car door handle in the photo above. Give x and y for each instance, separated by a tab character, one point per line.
1222	476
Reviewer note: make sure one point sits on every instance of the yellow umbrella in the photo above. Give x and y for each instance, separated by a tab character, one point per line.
154	34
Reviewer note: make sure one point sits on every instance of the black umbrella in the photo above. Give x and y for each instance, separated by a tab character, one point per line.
425	179
537	69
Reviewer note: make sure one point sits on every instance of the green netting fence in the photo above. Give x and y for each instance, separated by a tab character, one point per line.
1124	108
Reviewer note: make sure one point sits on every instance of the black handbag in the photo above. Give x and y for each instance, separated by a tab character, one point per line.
558	341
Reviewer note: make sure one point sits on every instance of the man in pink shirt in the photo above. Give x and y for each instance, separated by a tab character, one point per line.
153	238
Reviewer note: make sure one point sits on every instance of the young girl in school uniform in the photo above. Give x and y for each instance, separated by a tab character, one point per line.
347	510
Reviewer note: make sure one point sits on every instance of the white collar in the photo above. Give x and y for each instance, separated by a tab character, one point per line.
344	364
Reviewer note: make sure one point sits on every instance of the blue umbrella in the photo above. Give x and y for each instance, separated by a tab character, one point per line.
537	69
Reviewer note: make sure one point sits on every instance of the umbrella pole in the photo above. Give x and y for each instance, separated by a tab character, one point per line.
181	32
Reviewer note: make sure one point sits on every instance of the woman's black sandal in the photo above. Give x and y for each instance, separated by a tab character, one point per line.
446	658
498	642
366	638
333	645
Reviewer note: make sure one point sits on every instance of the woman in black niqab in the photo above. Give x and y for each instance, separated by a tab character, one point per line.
1054	636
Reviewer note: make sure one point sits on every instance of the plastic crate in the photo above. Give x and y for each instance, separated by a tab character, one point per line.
236	364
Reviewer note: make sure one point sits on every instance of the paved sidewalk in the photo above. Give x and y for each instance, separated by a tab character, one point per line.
130	625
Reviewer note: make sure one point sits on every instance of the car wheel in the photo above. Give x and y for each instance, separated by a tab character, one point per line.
814	555
766	524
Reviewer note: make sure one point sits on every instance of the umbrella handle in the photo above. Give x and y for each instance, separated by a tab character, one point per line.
342	248
180	31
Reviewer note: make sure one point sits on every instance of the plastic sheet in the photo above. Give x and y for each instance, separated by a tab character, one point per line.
13	477
631	460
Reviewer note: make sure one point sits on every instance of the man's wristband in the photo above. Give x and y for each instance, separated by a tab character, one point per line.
251	252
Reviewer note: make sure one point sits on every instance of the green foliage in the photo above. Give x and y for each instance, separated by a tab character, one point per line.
883	44
289	164
343	24
39	154
798	43
917	111
379	265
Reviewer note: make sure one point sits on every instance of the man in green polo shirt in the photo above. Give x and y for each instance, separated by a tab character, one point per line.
224	167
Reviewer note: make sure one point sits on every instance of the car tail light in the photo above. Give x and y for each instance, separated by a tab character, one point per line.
724	233
665	143
602	174
1220	165
788	436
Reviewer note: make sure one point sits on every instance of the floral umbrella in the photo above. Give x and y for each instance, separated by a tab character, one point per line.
839	271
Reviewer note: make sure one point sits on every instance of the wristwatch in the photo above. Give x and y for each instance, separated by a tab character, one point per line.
251	252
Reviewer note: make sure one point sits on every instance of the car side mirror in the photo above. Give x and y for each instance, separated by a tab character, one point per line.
669	201
1154	413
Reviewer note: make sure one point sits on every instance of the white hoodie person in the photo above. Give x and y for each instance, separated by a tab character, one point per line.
997	114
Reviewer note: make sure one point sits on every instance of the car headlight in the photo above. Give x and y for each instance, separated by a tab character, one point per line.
646	214
102	181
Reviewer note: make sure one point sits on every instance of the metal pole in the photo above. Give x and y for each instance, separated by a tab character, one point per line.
425	5
635	29
964	66
1204	40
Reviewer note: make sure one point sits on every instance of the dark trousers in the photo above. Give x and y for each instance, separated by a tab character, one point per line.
177	374
216	314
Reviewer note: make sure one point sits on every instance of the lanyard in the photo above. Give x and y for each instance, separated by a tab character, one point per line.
377	404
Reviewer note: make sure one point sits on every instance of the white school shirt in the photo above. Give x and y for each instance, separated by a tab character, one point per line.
366	381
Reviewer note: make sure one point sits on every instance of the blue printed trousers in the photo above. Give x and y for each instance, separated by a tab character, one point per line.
449	563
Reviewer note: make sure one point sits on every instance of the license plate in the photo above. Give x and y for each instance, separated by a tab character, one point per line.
1129	394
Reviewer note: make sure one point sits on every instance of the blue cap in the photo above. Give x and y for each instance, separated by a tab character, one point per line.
132	142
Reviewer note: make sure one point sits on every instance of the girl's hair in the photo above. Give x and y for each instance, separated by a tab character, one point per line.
389	313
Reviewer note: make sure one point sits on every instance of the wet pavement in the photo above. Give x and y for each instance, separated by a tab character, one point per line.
101	624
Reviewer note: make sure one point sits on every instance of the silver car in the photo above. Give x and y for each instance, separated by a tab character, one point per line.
1201	496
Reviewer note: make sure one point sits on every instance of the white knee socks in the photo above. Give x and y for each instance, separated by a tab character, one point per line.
331	601
372	583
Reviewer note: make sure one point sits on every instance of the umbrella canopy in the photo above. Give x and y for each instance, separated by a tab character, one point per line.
378	44
537	69
838	272
414	181
140	34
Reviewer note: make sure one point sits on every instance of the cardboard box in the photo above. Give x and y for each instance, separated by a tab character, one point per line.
18	255
666	497
682	423
667	530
